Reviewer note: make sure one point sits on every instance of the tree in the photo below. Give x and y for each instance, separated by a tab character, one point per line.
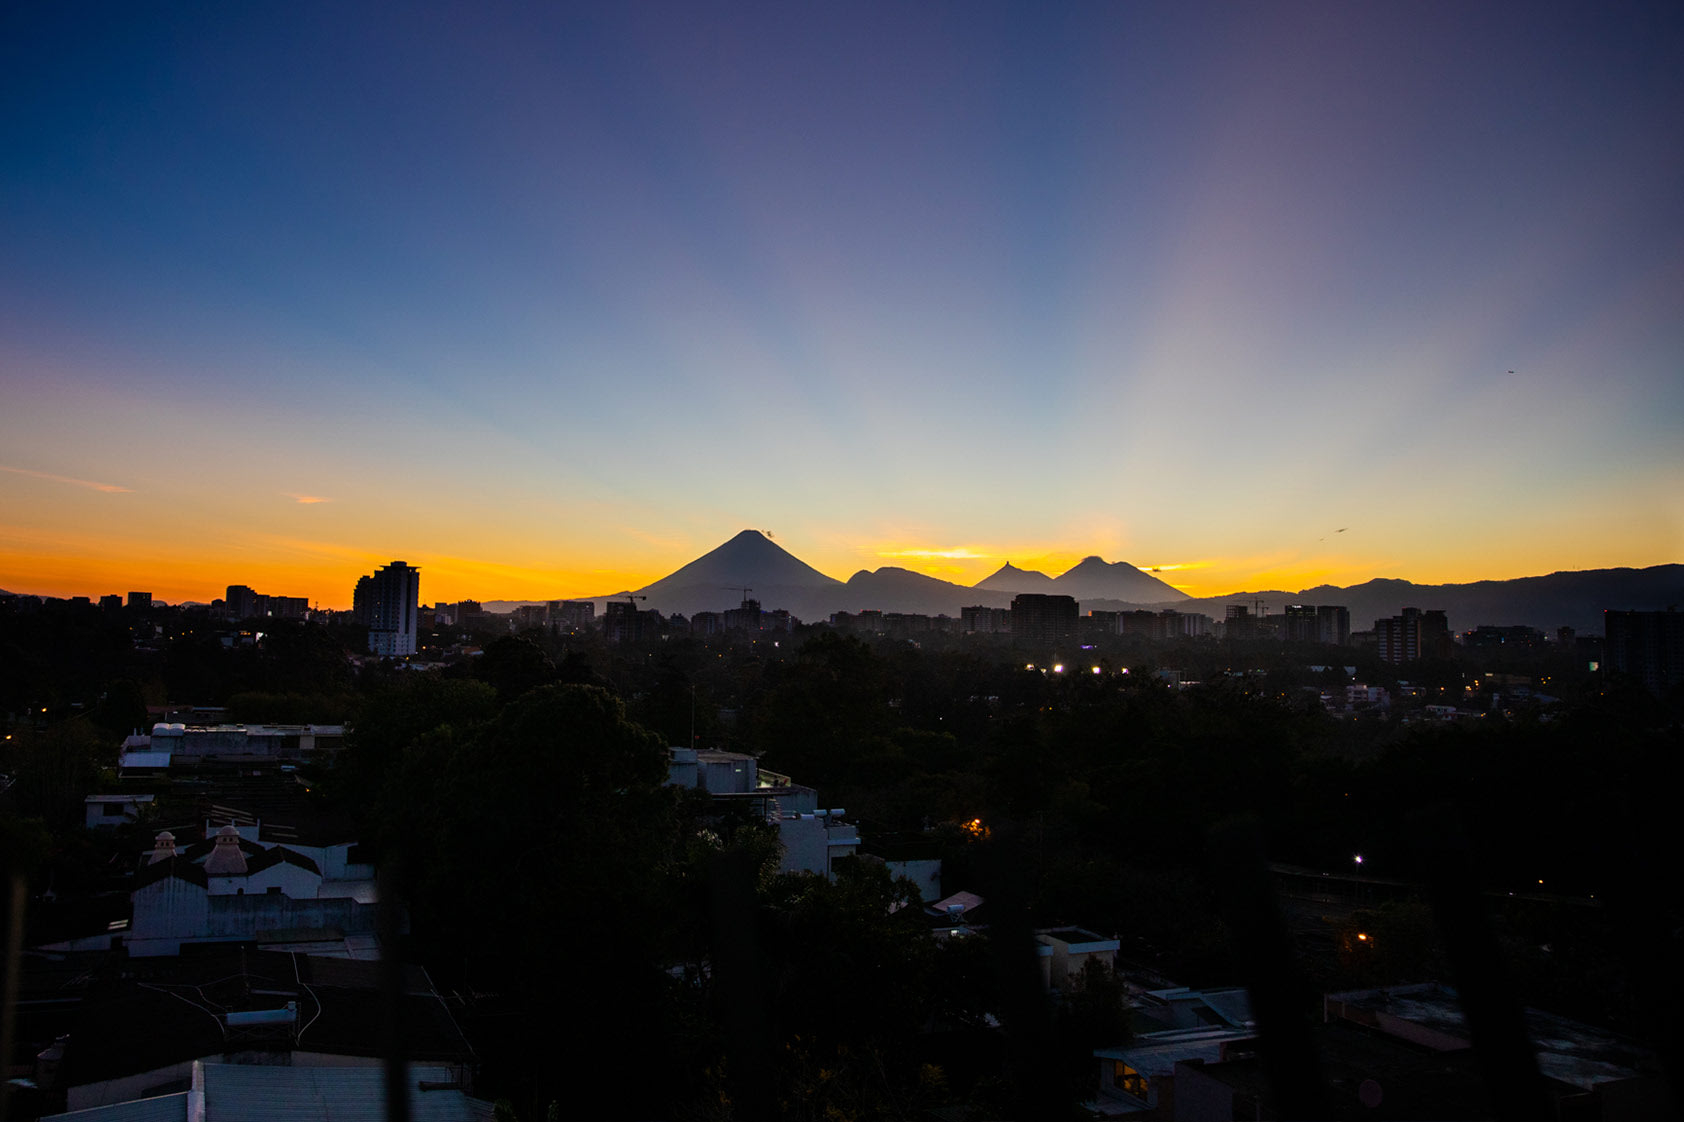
534	848
514	665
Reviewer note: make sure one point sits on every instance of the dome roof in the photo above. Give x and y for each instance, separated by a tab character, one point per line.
226	860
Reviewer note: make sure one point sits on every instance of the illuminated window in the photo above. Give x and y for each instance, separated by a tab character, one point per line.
1129	1081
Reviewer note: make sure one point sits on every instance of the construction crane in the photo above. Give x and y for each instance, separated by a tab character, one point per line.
743	588
626	627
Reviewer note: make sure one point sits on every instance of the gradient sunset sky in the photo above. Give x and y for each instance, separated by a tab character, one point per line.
548	300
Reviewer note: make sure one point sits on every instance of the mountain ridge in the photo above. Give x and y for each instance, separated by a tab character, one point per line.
779	579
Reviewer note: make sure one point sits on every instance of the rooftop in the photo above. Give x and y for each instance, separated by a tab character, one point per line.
146	1013
1567	1050
263	1093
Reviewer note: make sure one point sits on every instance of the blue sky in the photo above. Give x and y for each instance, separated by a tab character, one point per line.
550	300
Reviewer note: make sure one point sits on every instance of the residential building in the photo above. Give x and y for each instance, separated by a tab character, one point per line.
218	1091
1303	623
250	1034
113	810
237	743
572	615
1515	637
813	838
1101	623
1189	625
1064	952
1647	645
1239	623
1406	1052
1169	1028
622	622
1333	624
388	602
1044	620
985	620
232	888
1413	635
744	617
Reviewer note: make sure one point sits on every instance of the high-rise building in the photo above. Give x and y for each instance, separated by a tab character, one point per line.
388	602
1333	624
1039	619
1303	625
1413	635
1239	623
571	615
621	623
1647	645
744	618
240	602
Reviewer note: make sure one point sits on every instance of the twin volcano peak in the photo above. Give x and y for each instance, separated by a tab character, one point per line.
1092	578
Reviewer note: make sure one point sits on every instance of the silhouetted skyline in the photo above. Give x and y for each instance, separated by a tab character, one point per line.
544	299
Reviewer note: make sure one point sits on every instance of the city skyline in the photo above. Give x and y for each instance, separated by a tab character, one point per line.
548	302
784	580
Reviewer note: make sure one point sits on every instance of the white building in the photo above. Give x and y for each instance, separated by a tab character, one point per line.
305	898
177	741
114	810
813	838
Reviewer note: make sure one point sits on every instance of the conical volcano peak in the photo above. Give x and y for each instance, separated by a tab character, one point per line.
1097	579
750	560
1010	578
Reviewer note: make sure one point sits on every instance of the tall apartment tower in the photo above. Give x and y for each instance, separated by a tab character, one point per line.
1041	619
388	603
1412	635
1647	645
1333	624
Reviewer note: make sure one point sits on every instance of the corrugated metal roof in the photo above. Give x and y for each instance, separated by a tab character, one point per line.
162	1108
252	1093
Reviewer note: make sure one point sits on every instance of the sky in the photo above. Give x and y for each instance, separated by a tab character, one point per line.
551	299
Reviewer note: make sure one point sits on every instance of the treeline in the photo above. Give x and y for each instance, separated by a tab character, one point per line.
592	919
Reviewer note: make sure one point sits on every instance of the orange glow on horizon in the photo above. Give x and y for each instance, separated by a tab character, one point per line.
177	579
189	568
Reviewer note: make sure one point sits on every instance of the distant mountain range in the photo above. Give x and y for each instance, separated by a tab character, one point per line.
778	579
1566	599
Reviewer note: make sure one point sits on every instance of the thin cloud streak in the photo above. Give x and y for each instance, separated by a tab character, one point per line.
106	488
307	500
950	554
